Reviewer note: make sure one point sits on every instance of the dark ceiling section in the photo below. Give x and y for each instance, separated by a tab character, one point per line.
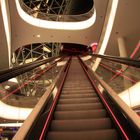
74	7
80	6
71	48
36	49
50	7
31	3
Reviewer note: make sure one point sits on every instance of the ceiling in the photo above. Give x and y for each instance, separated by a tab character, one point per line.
80	6
23	33
127	25
3	46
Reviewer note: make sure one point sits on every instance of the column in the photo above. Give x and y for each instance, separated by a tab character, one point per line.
122	47
123	53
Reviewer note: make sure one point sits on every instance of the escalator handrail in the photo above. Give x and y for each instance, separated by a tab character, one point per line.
129	113
25	128
124	60
13	72
49	117
35	76
28	123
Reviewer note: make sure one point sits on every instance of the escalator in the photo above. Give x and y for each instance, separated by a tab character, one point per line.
79	113
74	108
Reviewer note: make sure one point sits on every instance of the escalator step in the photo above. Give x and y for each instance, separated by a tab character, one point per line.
81	125
79	100
77	81
88	114
79	113
74	107
108	134
77	91
71	84
69	96
78	87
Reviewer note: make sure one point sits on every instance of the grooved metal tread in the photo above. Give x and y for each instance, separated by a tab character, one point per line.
79	113
107	134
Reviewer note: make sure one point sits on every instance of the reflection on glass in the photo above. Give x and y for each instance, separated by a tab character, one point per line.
123	79
19	95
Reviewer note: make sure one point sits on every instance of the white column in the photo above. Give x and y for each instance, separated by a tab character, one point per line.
123	53
107	29
122	47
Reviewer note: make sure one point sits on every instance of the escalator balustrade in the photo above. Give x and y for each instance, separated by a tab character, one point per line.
79	112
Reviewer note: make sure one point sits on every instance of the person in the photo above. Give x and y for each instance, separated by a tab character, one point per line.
92	48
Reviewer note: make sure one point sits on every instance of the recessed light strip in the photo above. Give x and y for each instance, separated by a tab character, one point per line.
109	26
6	27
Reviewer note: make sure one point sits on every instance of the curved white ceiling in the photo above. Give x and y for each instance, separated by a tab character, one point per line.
6	20
24	33
55	24
13	113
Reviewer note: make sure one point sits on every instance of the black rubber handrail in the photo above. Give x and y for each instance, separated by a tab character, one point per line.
124	60
13	72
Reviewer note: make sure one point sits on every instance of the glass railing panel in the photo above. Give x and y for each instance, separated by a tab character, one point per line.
22	93
123	79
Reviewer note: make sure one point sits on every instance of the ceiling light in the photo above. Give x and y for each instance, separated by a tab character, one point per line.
7	87
38	36
10	124
46	49
13	80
